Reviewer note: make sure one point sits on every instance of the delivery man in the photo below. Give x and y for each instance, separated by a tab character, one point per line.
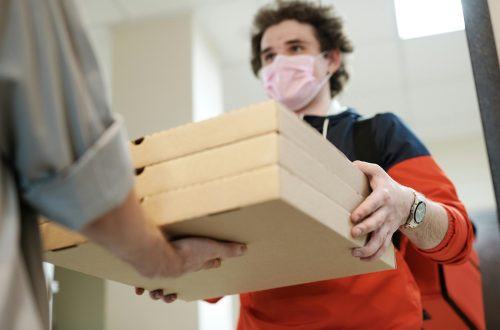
298	50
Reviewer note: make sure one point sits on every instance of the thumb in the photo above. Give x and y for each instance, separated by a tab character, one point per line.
229	250
214	263
369	169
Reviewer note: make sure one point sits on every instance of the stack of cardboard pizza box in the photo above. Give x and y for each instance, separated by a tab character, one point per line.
258	175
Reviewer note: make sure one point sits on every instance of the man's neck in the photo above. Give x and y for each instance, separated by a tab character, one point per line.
319	105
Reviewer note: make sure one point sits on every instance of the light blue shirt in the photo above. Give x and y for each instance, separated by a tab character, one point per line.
63	152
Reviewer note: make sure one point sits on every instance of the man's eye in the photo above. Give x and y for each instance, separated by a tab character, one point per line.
297	48
268	58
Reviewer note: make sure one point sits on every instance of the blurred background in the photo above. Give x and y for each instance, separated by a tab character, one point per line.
169	62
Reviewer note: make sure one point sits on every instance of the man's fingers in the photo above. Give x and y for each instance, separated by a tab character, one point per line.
211	264
380	251
204	253
170	298
377	240
223	250
368	169
156	294
229	250
370	224
372	203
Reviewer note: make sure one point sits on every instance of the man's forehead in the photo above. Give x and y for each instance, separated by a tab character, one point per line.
285	32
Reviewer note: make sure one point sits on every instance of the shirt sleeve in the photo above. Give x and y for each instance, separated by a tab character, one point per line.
424	175
68	150
395	140
407	160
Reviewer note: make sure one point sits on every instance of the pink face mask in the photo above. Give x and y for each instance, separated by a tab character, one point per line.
290	80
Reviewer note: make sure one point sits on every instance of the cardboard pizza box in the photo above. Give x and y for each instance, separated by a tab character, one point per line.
242	124
294	233
280	188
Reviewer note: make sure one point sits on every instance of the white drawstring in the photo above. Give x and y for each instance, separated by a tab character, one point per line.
325	127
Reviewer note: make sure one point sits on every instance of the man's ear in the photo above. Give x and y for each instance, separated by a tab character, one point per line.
334	60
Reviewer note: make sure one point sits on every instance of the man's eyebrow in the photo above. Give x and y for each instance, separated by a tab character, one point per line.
288	42
265	50
295	41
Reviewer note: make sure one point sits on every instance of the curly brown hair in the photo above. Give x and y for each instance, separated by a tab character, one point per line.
327	26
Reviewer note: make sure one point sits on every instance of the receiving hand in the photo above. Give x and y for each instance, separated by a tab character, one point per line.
205	253
198	254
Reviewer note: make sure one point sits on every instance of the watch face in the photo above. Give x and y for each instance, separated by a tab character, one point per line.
420	212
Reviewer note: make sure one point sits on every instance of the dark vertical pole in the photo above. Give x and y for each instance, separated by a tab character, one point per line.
485	67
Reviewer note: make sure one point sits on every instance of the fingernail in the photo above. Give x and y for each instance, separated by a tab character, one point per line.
243	249
356	232
170	297
356	253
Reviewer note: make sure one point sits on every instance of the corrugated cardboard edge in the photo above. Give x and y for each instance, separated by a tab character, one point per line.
56	237
344	229
174	206
208	165
292	193
239	125
187	139
306	137
247	155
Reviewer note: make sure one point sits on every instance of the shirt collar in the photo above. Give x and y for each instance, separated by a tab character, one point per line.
335	108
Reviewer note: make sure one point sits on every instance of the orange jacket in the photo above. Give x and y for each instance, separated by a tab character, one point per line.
383	300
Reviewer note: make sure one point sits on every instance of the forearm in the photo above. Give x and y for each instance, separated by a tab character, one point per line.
446	235
127	233
433	229
443	234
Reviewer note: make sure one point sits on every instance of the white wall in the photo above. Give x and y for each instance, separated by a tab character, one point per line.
125	311
165	73
152	75
152	82
206	77
79	302
465	161
207	87
247	90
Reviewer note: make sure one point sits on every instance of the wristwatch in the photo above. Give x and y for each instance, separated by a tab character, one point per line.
417	211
